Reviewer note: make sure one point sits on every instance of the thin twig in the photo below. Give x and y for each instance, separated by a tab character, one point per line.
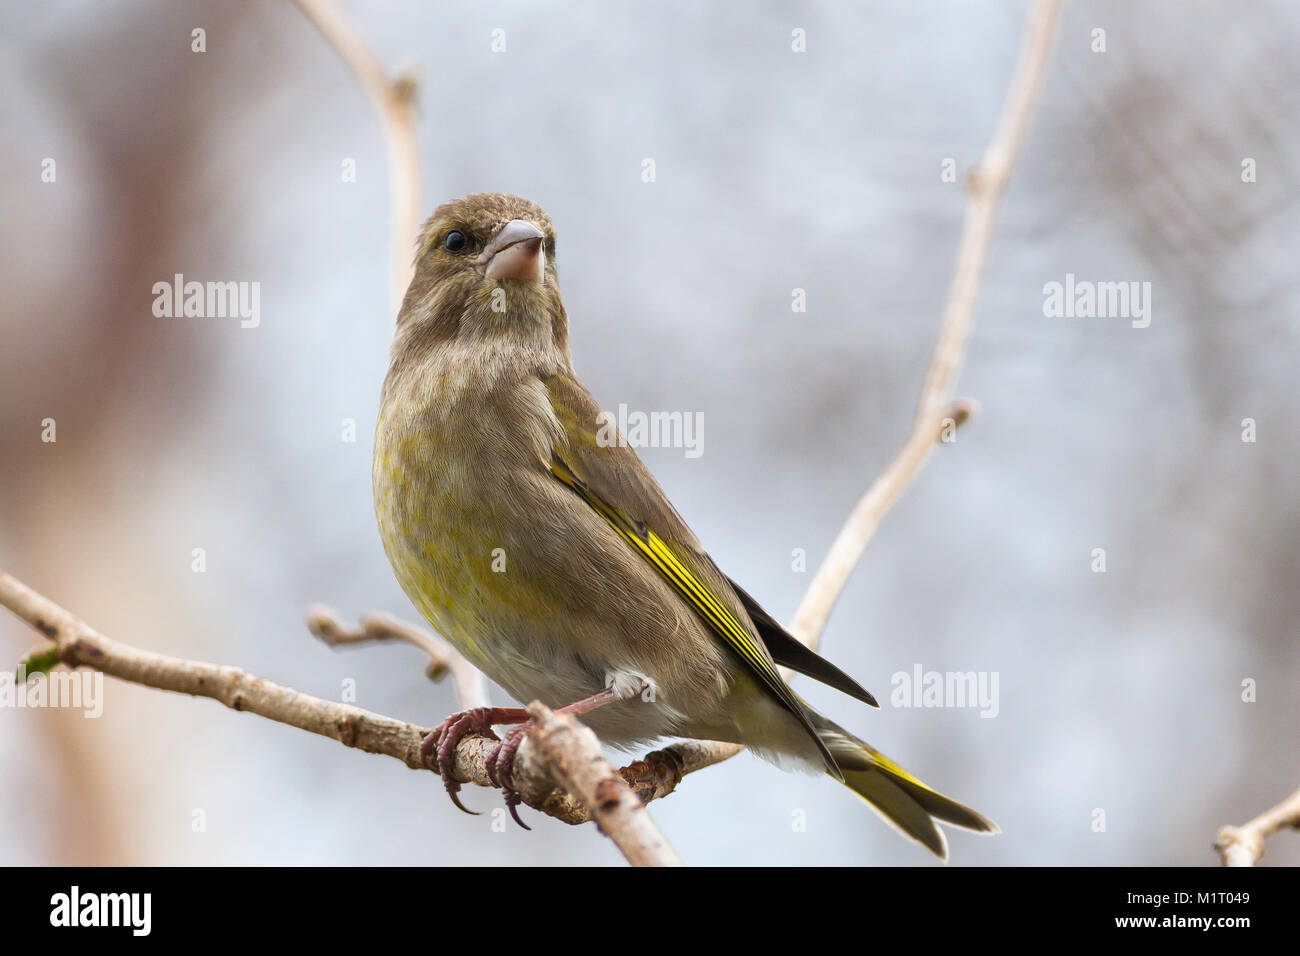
986	186
394	101
471	687
1244	845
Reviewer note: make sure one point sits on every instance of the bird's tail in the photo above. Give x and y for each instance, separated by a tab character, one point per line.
904	802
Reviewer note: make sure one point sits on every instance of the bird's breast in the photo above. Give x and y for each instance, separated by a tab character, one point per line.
458	449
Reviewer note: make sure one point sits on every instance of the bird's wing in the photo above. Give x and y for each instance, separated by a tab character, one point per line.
789	652
613	481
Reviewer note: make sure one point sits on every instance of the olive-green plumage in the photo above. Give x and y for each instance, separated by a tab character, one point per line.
552	559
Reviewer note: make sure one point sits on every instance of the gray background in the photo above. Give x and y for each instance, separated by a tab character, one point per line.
1119	691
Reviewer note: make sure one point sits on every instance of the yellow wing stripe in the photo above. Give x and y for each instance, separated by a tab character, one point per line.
656	550
667	562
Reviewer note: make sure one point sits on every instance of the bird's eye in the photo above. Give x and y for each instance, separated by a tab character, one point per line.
455	241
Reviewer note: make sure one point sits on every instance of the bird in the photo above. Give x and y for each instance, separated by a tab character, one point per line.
549	556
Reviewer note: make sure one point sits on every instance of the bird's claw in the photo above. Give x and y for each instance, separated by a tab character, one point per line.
442	741
500	770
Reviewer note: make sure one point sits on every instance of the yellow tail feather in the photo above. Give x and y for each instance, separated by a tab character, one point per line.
902	800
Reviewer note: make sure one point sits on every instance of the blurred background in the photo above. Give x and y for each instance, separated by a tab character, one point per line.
1120	692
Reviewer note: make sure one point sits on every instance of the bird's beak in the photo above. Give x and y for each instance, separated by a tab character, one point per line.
516	252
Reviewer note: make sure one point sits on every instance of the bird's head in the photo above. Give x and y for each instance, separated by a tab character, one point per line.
485	268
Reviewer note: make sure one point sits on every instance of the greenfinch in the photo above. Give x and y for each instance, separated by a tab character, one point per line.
550	557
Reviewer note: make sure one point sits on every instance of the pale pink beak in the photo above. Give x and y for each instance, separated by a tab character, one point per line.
516	252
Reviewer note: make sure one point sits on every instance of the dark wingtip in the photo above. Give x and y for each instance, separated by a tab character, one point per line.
855	690
787	651
858	692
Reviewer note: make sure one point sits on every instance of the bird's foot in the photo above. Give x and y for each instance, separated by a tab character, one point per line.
442	741
500	766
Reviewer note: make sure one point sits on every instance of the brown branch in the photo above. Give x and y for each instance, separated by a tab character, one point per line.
652	777
394	101
1244	845
572	752
80	645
